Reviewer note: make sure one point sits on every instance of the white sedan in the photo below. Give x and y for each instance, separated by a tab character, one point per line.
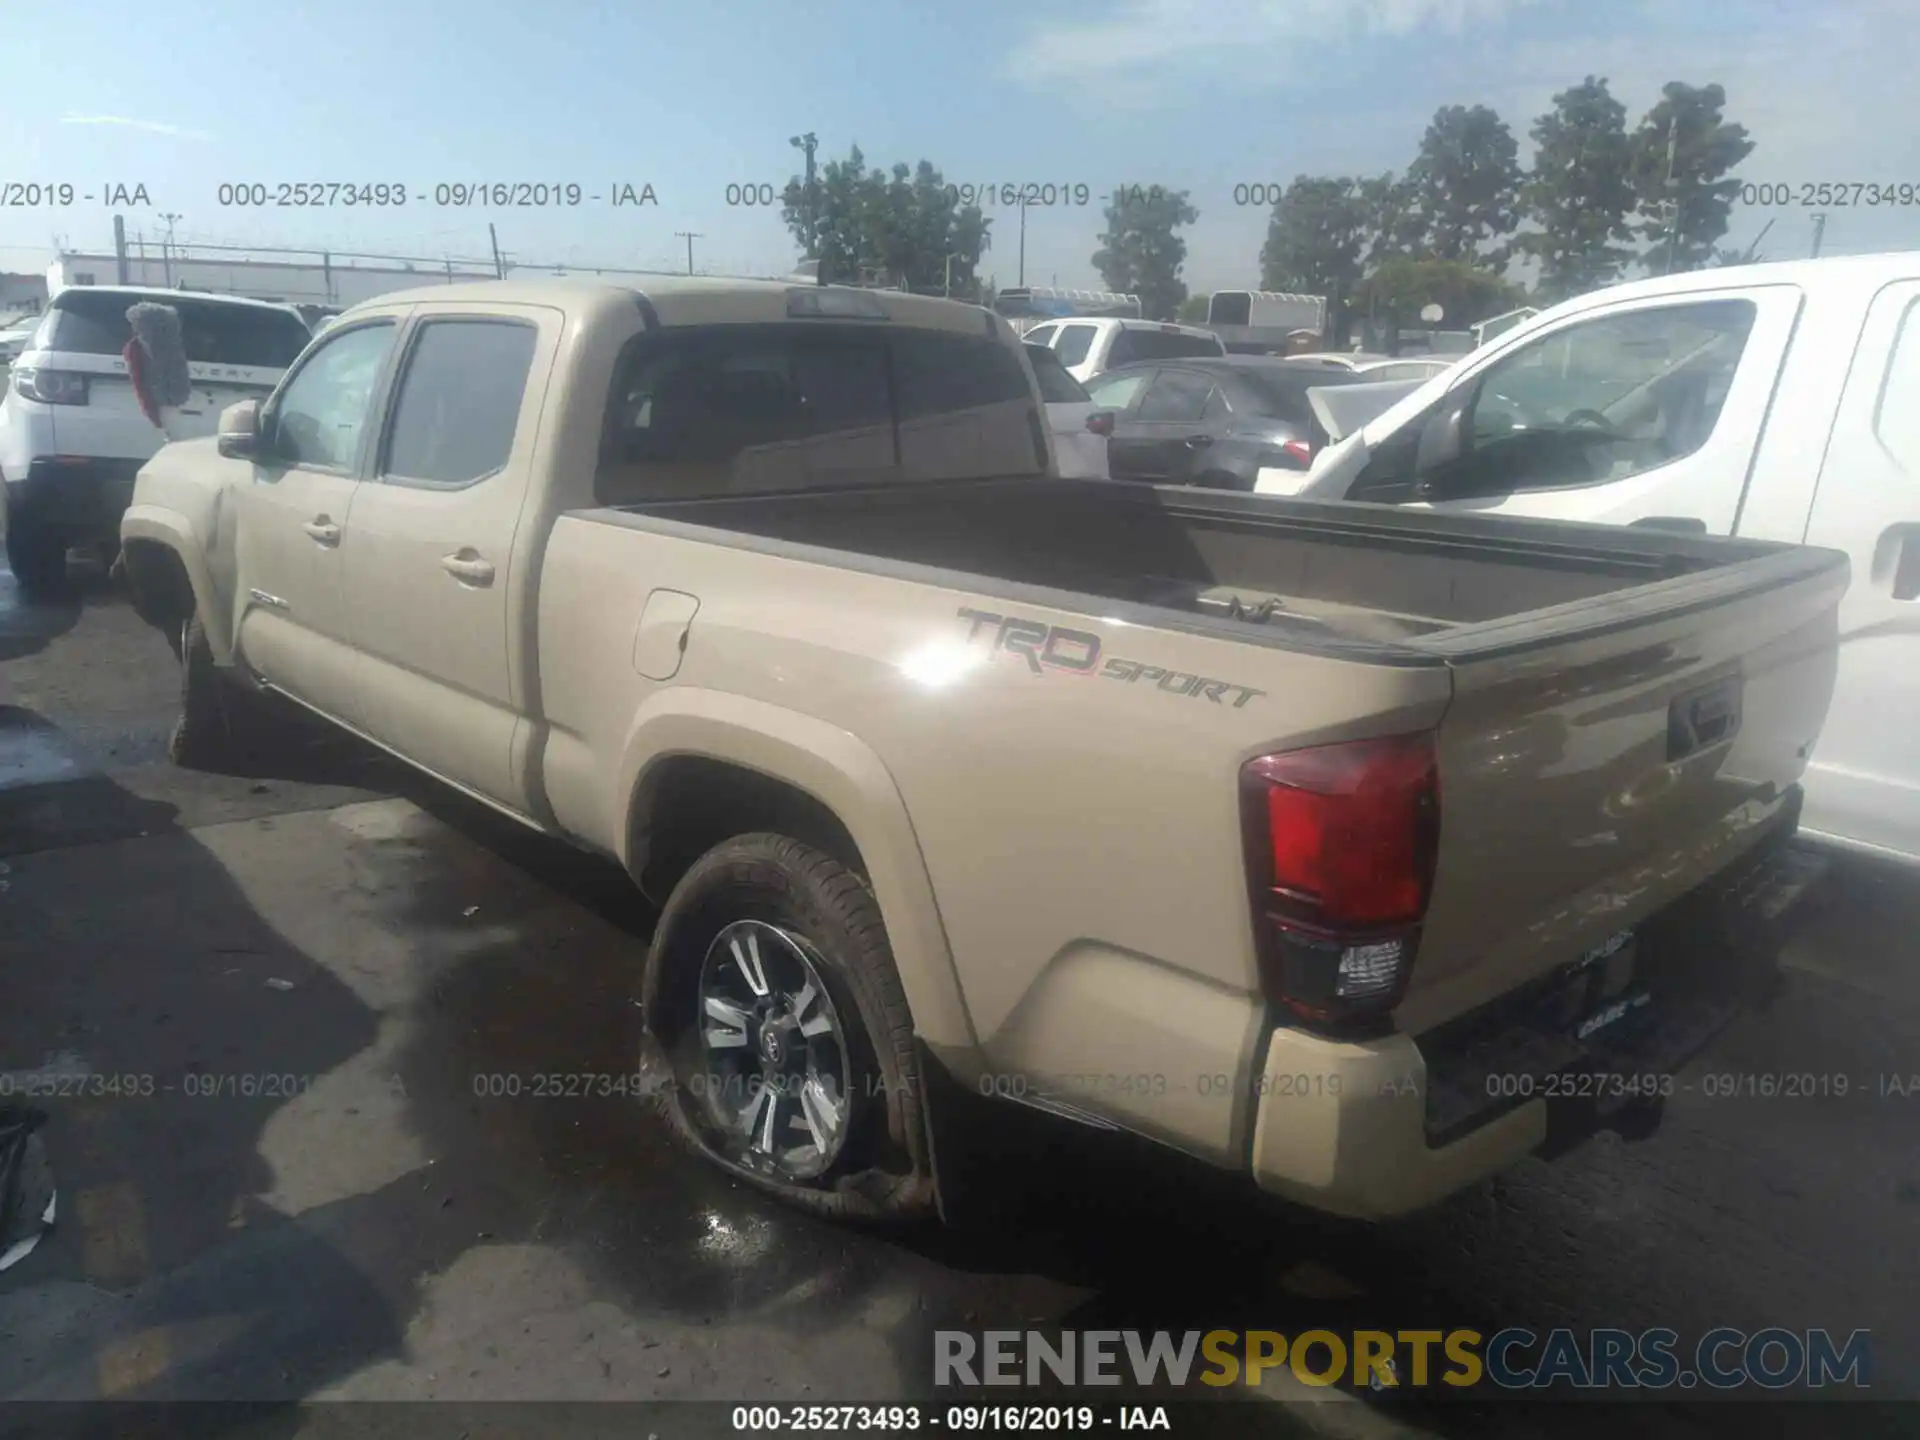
1080	428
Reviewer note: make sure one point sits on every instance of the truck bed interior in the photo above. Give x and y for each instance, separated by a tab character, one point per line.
1370	572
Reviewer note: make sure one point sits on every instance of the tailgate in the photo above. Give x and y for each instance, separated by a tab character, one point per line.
1602	758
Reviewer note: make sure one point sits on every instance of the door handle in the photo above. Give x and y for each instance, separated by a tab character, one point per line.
1905	582
1198	442
468	568
322	530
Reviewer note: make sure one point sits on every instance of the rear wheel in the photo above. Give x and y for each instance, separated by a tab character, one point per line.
776	1013
37	554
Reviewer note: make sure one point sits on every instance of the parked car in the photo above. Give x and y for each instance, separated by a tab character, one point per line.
72	433
958	778
1777	401
1220	422
1090	347
1080	428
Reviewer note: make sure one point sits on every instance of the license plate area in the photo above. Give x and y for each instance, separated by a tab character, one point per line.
1638	1004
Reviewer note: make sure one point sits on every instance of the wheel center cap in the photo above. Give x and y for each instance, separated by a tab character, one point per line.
773	1047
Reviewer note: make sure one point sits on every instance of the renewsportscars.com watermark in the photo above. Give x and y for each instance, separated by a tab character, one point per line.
1511	1359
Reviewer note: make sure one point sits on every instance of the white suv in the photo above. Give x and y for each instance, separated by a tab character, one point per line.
1091	347
72	433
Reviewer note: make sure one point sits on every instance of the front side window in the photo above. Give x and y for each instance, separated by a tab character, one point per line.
1896	419
1602	400
459	401
320	415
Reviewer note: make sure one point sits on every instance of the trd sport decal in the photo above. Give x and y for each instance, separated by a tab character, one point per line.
1054	647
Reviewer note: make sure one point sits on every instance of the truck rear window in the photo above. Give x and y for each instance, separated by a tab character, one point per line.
757	409
94	322
1131	345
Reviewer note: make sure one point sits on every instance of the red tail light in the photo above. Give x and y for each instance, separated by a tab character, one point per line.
50	387
1341	842
1101	422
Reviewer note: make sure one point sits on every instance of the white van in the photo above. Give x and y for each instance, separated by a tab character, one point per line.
1779	402
72	433
1090	347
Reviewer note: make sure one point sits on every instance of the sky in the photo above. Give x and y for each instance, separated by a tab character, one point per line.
1203	95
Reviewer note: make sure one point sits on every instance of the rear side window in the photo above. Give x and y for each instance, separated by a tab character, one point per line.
459	401
1041	335
754	409
1176	395
1282	394
1057	387
1161	345
1074	343
95	323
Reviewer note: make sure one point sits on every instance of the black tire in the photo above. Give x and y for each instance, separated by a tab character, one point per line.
203	735
37	555
883	1171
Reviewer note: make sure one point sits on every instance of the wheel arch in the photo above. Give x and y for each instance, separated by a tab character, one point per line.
700	761
168	575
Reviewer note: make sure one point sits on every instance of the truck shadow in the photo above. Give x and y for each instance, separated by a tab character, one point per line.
139	1017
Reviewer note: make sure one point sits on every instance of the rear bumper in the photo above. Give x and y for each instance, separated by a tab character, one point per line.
1380	1128
77	497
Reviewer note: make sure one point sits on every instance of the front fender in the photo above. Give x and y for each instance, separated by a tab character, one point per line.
843	773
178	533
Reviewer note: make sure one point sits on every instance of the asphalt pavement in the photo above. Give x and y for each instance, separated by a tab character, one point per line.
302	1157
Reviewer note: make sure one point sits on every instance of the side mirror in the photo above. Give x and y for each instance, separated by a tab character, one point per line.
239	433
1443	440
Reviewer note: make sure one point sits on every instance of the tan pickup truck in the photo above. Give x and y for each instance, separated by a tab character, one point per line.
1358	851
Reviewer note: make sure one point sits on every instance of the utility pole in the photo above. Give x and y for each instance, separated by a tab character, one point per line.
499	267
1673	204
120	249
689	236
1023	238
166	249
807	144
1819	232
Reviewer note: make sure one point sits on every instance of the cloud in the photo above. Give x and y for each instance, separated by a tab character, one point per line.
152	126
1291	34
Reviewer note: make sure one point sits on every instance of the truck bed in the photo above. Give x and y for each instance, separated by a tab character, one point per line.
1290	573
1576	661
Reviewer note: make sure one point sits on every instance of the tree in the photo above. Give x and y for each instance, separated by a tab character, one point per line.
1580	191
1315	238
1390	223
1403	286
895	228
1465	184
1140	252
1682	154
